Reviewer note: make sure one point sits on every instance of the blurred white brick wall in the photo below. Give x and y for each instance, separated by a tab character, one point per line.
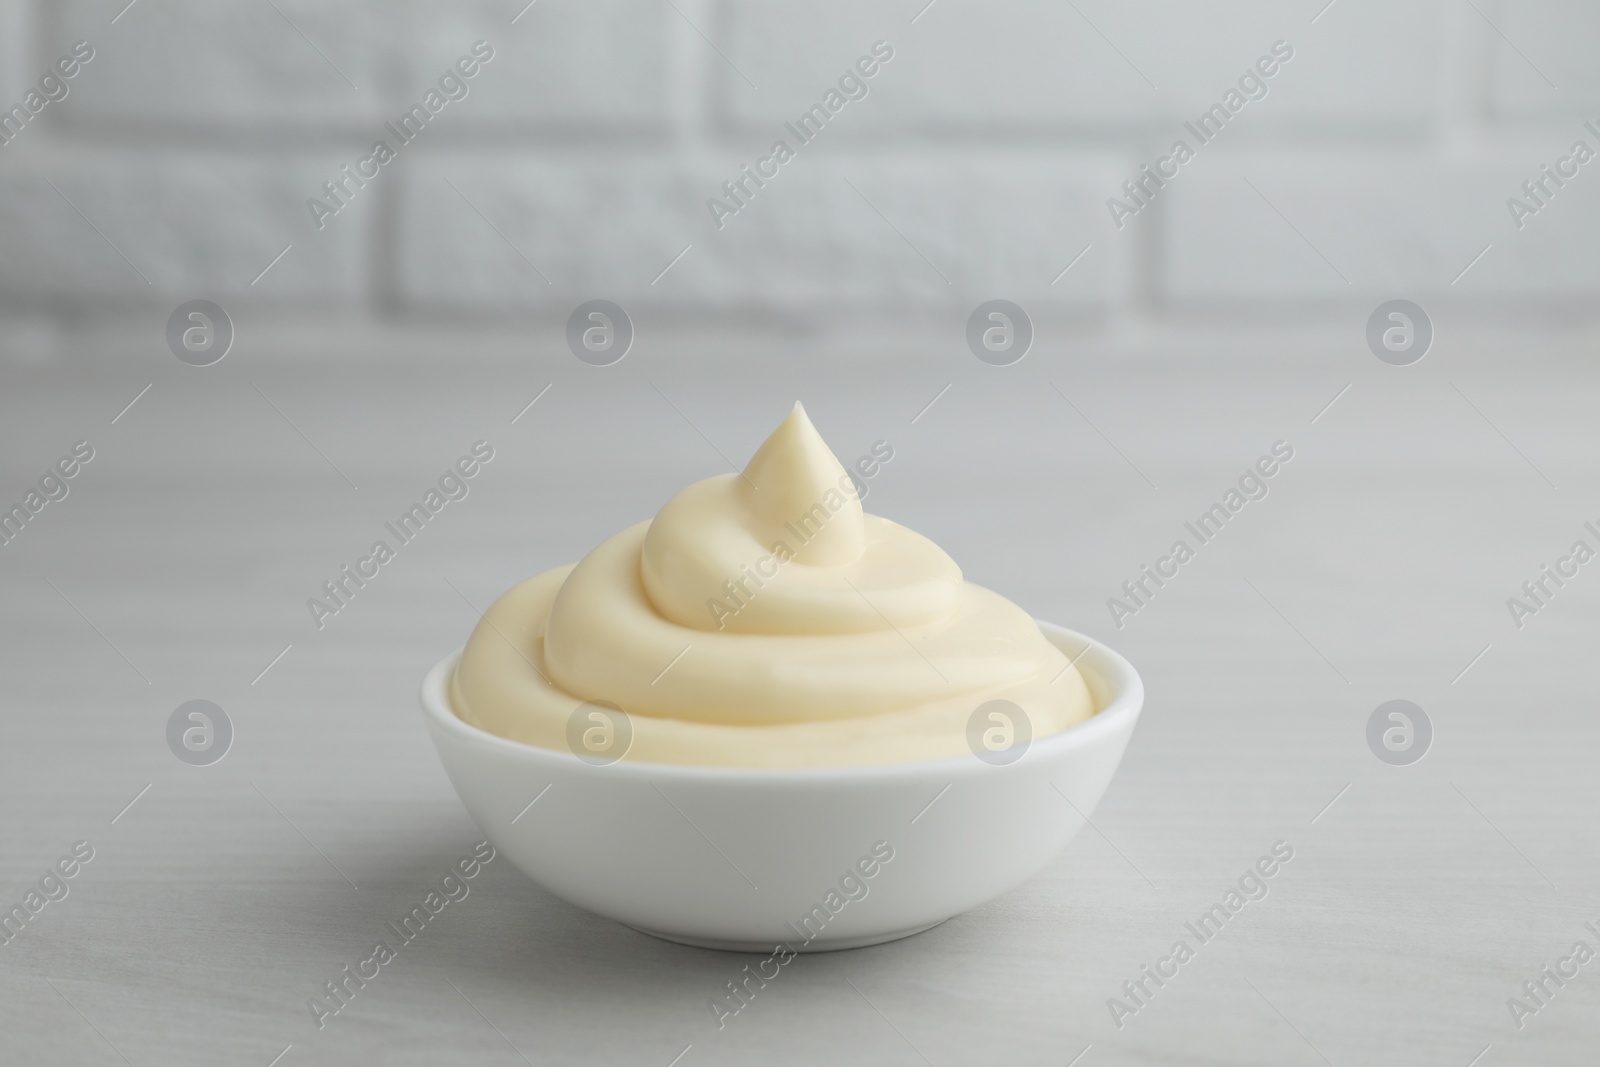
978	165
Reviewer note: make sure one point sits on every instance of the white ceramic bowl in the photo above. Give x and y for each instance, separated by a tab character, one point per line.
743	859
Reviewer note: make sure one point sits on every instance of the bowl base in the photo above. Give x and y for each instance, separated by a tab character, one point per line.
765	947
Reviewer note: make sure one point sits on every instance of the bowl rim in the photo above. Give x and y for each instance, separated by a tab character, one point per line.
1109	667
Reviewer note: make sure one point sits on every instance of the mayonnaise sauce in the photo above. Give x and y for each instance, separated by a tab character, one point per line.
762	619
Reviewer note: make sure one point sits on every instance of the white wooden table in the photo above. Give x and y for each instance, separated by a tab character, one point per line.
1418	900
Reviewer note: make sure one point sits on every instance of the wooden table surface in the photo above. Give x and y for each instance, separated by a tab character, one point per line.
1378	566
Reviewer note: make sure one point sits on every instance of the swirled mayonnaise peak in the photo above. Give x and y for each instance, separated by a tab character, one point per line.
763	619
